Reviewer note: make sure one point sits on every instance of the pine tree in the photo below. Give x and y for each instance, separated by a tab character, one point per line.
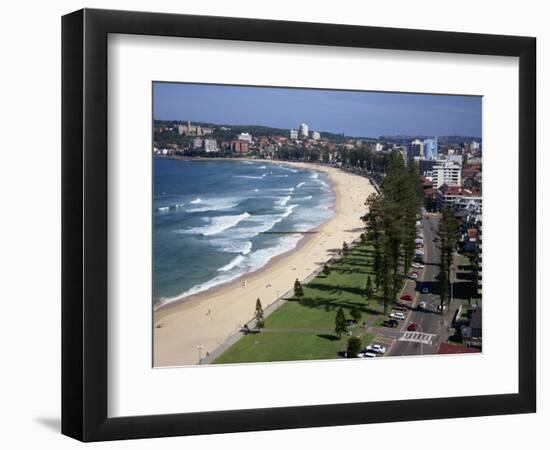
368	289
259	315
340	323
326	270
345	248
354	346
298	290
448	238
355	314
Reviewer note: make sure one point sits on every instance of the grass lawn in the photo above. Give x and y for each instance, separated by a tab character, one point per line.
304	330
266	346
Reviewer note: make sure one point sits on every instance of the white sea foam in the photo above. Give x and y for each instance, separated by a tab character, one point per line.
215	204
218	224
288	168
197	200
233	246
250	177
283	200
165	209
256	190
241	265
258	259
307	197
233	263
255	225
300	185
216	281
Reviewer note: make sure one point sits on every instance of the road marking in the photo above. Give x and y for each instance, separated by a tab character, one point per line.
413	336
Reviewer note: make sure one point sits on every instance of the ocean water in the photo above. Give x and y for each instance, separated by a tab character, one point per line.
217	220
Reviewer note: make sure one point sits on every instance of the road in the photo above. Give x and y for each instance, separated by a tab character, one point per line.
429	320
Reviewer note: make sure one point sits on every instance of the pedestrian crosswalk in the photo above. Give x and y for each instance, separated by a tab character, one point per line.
414	336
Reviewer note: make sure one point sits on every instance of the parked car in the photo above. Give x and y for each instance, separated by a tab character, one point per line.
412	327
391	323
421	306
397	315
368	355
376	348
413	275
407	297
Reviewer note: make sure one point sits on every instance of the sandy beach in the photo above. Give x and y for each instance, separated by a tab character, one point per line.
209	318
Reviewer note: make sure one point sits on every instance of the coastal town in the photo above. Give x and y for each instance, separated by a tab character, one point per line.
391	290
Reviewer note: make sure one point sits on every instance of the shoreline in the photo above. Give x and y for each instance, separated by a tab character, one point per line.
208	318
306	235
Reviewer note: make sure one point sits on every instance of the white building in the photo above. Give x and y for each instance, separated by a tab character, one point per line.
293	134
455	158
378	147
245	137
304	130
197	143
446	172
209	145
315	135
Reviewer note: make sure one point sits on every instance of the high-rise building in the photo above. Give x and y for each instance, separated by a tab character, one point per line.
209	145
304	130
293	134
430	148
240	146
447	172
415	148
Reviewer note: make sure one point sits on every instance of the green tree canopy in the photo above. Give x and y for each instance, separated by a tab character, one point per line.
259	315
340	323
354	346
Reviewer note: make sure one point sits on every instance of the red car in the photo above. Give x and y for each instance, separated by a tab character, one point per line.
407	297
412	327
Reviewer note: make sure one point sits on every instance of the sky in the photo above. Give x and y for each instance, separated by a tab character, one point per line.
361	114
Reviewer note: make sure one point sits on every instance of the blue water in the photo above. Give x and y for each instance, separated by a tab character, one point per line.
211	218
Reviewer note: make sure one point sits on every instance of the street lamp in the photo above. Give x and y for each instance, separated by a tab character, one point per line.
199	348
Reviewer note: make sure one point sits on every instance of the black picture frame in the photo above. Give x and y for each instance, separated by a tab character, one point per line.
84	224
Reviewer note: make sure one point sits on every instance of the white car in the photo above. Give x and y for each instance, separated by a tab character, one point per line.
368	354
397	315
419	241
376	348
422	305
